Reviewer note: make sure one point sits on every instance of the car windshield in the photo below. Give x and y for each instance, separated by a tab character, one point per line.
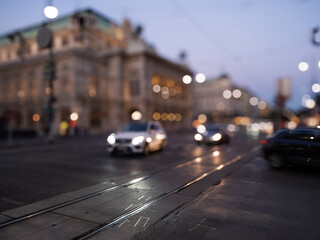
135	127
212	129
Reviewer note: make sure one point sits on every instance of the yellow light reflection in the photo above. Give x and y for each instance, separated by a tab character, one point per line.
199	159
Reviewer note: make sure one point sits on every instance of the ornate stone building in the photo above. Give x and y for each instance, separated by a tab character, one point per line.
103	72
221	99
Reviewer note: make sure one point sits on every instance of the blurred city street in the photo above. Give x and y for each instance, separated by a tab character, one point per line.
187	191
159	120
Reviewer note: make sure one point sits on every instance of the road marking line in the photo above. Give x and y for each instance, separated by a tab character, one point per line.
146	222
137	222
141	197
124	222
129	207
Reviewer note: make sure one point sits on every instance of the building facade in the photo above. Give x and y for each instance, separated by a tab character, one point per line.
103	72
220	99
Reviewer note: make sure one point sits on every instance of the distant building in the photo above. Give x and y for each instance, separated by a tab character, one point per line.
104	72
221	99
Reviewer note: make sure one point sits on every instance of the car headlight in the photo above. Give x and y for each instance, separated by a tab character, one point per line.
111	139
216	137
198	137
137	140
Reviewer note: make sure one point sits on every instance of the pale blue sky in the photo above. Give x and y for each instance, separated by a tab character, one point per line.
254	41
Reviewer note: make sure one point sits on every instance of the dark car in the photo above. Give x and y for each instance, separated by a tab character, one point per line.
298	146
211	134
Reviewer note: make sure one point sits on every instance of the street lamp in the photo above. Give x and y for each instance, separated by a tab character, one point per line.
50	11
45	41
200	78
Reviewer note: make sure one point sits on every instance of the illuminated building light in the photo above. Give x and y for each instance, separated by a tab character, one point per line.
92	92
164	116
171	117
156	116
200	77
155	80
21	93
254	101
186	79
170	83
227	94
262	105
236	93
178	117
136	115
36	117
202	118
172	92
156	88
48	90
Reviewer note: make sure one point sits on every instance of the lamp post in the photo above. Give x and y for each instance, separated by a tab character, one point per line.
45	41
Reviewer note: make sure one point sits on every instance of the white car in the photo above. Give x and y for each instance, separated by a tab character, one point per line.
138	137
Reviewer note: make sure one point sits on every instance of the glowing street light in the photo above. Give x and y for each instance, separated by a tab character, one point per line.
200	77
316	88
186	79
51	12
303	66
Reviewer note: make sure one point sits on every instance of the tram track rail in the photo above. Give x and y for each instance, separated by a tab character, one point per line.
106	190
140	208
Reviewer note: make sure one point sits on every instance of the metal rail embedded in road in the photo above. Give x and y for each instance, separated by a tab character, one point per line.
85	197
140	208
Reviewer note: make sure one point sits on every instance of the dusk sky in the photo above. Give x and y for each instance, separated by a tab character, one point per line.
254	41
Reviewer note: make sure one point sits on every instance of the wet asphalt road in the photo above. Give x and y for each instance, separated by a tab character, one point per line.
247	200
38	171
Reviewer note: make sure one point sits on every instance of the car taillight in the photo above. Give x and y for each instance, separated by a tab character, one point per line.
264	141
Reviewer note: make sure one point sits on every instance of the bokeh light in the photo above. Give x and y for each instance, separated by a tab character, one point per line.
136	115
156	88
236	93
51	12
254	101
303	66
36	117
227	94
316	88
186	79
202	118
74	116
200	78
